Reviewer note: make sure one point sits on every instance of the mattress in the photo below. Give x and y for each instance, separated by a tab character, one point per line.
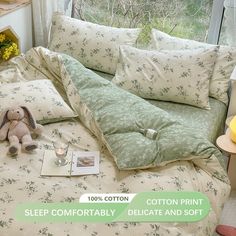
210	123
20	179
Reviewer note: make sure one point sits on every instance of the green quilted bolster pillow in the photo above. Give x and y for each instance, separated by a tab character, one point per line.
127	124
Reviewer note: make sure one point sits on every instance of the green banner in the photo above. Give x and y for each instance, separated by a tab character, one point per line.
145	207
69	212
166	207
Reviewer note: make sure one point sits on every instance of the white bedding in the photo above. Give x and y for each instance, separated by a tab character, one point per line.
20	179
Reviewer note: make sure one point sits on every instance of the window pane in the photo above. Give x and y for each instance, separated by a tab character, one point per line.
228	30
183	18
223	35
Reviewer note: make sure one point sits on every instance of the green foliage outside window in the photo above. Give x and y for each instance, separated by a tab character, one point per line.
182	18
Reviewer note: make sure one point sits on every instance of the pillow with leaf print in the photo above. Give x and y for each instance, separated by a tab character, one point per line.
95	46
225	62
40	96
180	76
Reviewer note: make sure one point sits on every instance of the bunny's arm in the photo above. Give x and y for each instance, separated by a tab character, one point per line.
4	131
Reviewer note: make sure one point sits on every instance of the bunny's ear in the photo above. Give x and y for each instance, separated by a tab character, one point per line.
3	118
30	117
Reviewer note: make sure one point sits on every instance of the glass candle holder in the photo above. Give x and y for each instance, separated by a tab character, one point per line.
61	150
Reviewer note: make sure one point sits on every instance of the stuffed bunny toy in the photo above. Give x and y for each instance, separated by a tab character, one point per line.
16	125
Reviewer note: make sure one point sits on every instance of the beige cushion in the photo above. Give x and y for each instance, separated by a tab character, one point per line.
40	96
225	62
179	76
95	46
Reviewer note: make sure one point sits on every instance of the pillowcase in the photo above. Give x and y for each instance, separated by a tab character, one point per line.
225	62
179	76
95	46
40	96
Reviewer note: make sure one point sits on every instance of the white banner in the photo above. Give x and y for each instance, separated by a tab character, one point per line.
107	197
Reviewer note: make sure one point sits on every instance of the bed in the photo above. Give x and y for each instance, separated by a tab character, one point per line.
20	179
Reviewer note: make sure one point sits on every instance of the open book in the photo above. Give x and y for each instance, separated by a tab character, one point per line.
79	163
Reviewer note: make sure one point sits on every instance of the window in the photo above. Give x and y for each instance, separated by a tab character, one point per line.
183	18
228	32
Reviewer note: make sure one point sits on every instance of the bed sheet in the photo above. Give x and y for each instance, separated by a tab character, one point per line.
20	179
210	123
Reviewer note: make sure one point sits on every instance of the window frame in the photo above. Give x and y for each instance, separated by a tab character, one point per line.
216	21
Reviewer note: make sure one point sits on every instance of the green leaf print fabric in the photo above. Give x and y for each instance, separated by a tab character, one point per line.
120	119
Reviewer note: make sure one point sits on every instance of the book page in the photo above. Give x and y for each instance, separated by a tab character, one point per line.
85	163
49	168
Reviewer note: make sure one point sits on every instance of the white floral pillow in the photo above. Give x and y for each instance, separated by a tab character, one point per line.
95	46
40	96
179	76
225	62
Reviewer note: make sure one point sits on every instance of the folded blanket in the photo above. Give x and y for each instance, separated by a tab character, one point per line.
122	120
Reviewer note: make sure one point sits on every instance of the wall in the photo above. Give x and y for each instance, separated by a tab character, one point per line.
21	21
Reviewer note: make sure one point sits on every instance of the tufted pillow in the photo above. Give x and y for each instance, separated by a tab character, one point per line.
180	76
95	46
225	62
40	96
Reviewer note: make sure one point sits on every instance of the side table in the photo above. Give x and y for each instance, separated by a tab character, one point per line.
225	144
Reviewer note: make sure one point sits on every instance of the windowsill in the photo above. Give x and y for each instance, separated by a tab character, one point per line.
11	7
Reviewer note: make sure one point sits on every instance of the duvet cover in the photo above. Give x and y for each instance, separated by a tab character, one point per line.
196	166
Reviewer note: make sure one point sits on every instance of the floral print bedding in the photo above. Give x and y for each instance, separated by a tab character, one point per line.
96	46
40	96
210	123
180	76
119	119
225	62
20	179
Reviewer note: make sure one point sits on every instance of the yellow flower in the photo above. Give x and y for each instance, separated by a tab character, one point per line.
17	52
2	37
14	45
6	54
9	48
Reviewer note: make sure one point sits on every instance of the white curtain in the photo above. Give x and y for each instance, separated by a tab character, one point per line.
230	21
42	16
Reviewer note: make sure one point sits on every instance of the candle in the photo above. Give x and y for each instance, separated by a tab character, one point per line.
232	127
60	151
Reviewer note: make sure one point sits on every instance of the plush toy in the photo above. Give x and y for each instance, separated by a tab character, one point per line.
16	125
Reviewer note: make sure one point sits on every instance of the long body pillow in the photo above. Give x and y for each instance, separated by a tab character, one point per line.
225	62
95	46
177	76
